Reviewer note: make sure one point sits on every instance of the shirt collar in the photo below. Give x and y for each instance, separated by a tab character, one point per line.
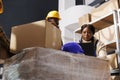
86	41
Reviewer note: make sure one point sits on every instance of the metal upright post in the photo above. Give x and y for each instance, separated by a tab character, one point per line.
118	17
116	31
117	51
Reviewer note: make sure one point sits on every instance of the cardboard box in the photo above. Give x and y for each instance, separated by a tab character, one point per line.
105	8
84	19
113	61
38	63
35	34
106	35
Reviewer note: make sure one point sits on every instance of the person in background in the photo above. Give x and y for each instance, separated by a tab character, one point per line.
53	17
91	45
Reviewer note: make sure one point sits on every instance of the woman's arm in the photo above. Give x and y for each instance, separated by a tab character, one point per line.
101	50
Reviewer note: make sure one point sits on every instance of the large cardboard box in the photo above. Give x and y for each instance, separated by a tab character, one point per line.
105	8
38	63
35	34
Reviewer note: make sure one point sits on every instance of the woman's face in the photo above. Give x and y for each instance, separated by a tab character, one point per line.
87	34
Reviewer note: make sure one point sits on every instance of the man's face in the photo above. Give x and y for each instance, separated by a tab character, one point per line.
54	21
87	34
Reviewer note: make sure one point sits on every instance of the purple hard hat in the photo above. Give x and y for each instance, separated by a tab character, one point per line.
72	47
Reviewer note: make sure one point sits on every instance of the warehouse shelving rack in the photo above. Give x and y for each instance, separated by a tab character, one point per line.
110	19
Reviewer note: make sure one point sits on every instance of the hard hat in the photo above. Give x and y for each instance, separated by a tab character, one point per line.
54	14
72	47
1	7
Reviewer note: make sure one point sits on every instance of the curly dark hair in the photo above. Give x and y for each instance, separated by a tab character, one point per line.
89	26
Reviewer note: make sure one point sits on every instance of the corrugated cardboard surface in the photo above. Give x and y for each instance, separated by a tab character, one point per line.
48	64
35	34
105	8
53	37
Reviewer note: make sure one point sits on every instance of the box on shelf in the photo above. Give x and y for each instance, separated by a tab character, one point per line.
107	36
84	19
105	8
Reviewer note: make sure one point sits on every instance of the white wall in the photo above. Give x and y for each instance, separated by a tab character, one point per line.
69	20
65	4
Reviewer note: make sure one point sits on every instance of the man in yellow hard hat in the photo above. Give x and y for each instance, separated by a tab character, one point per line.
53	17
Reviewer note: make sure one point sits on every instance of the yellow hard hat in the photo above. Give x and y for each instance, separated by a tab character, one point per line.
1	7
54	14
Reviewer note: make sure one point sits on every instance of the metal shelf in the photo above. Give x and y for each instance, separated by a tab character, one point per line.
106	21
